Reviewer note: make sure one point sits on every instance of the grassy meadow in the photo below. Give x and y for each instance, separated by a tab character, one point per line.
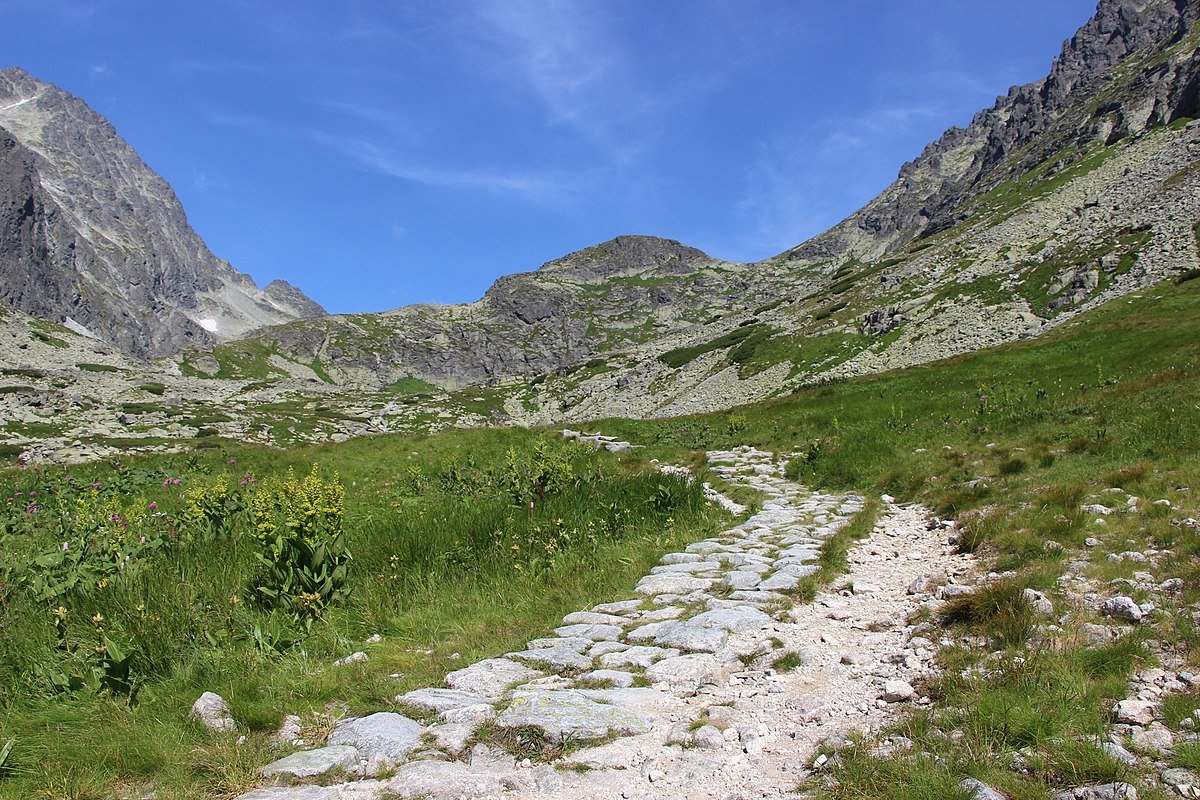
449	563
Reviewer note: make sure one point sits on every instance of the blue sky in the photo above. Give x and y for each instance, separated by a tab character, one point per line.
384	153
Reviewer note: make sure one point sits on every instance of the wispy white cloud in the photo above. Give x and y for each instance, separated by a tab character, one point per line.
801	184
205	181
540	187
575	61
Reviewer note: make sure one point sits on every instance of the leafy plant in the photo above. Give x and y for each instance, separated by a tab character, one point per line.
302	549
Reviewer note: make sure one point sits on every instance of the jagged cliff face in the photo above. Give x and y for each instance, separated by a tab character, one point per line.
1133	66
95	239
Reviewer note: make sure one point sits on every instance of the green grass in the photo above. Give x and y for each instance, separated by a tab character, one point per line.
444	561
86	367
747	332
411	385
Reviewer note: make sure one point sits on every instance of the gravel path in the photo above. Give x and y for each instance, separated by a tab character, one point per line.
712	684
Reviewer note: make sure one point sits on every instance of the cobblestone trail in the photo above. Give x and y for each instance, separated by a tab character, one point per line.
712	683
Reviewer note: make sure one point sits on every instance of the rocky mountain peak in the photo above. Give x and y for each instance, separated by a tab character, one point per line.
626	255
95	239
1102	63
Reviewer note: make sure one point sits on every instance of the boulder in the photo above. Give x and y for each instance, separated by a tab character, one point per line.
213	713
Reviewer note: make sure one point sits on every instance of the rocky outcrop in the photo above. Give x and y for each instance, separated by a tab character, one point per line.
92	237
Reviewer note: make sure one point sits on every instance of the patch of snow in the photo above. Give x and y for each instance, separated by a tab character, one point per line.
208	324
18	103
79	328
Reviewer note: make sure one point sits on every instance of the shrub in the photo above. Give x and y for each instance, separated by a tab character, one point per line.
531	479
302	550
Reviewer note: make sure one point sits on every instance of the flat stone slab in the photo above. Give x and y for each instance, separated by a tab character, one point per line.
594	618
439	700
491	677
619	607
734	620
597	633
312	763
681	558
621	754
384	739
555	658
742	579
576	643
779	582
442	780
672	584
688	673
569	714
473	715
682	635
637	656
358	790
799	570
452	737
616	677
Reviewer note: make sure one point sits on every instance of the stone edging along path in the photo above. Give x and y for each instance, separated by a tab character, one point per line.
676	693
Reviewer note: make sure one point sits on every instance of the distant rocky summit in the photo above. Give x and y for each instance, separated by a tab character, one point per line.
92	238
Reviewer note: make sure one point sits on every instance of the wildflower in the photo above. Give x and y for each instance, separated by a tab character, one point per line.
97	618
234	600
233	461
64	546
95	486
154	506
60	612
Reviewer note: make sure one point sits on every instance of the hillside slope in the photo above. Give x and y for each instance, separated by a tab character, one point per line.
93	238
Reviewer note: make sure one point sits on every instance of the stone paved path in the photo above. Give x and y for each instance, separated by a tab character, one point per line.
680	685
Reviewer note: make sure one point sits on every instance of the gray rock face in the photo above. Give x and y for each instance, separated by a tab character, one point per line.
382	740
91	234
927	195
